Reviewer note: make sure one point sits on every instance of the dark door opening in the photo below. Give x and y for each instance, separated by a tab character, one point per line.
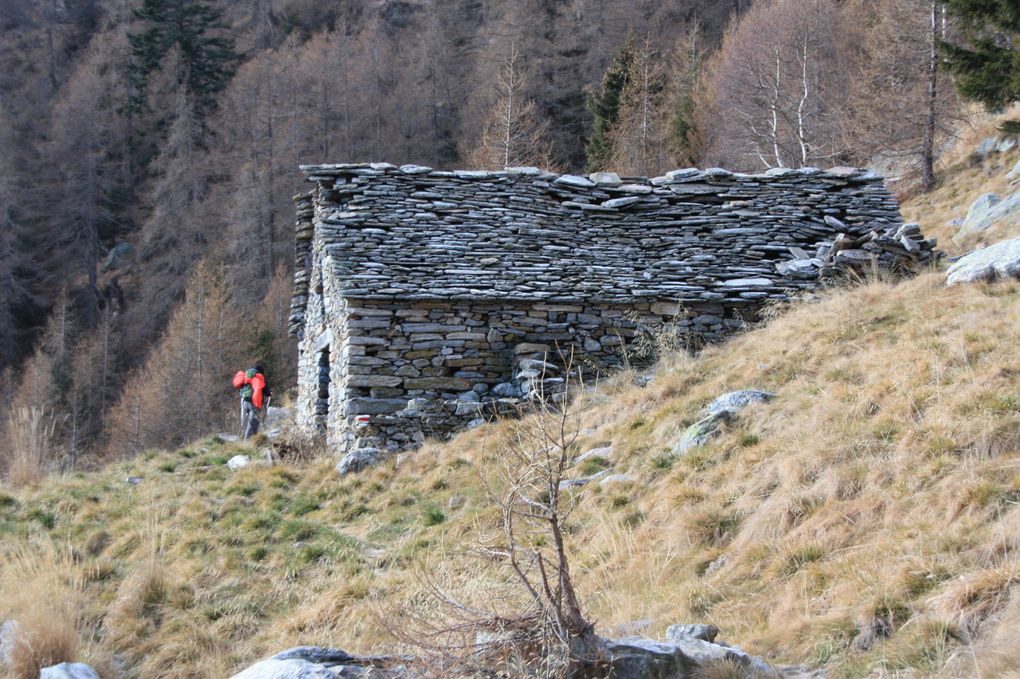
322	398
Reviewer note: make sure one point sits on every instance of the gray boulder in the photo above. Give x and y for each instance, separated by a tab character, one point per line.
68	670
999	261
314	662
357	460
707	653
8	638
639	658
238	462
987	147
735	401
695	631
698	434
718	411
987	211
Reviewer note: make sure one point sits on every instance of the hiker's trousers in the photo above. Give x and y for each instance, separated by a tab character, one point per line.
249	418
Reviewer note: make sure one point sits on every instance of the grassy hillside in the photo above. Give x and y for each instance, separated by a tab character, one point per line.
865	520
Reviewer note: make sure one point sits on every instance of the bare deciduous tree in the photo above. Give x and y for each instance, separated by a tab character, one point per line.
543	629
776	87
513	132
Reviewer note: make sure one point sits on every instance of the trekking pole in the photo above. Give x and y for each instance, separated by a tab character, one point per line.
242	431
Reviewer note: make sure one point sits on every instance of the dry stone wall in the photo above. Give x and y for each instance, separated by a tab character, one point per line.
425	300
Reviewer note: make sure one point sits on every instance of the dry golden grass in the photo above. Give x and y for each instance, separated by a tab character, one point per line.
864	520
40	589
29	445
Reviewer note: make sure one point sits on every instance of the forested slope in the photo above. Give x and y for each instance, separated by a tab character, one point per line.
140	137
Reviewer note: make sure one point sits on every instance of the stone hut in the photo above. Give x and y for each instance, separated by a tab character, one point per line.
426	299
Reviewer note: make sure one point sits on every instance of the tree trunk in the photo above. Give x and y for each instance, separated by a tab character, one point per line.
928	145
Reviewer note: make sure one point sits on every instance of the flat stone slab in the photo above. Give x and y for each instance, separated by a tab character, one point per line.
987	265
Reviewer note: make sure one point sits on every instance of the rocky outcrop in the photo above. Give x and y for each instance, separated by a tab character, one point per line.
688	651
718	411
358	459
314	662
987	211
987	265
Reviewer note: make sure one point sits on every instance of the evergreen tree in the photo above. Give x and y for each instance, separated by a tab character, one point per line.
206	62
988	69
604	106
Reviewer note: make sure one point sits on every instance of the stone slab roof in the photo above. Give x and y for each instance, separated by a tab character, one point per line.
415	233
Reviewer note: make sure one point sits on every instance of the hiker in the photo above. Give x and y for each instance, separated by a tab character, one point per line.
252	383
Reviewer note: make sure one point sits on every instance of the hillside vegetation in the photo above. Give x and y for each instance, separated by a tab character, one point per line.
864	521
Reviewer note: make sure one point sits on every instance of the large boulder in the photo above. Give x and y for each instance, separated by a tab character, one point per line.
358	459
315	662
640	658
999	261
717	412
735	401
689	651
708	653
68	670
987	211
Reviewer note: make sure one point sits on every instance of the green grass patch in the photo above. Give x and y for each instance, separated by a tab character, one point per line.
434	516
46	519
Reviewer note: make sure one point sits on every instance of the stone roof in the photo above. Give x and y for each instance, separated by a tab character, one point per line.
415	233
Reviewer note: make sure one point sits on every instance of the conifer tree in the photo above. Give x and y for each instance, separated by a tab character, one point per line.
605	107
988	69
206	62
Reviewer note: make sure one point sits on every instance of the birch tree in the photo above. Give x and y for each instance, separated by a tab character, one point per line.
776	87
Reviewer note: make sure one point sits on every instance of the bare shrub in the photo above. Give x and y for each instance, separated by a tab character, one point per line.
543	627
31	438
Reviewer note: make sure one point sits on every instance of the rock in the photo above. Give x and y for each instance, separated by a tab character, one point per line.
605	178
706	653
602	451
8	637
735	401
748	283
1015	172
987	211
620	202
696	631
357	460
238	462
313	662
800	268
505	390
583	481
698	434
987	147
617	478
574	180
639	658
66	670
987	265
227	438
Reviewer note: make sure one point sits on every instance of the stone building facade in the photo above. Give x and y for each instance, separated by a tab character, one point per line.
426	299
